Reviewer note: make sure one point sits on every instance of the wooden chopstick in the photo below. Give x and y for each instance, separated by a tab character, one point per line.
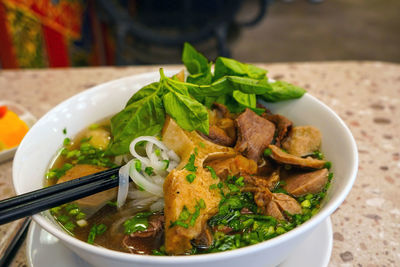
46	198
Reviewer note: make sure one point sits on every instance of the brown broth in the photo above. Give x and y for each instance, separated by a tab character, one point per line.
107	215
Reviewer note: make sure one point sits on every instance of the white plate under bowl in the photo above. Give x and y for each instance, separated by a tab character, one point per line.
25	116
43	249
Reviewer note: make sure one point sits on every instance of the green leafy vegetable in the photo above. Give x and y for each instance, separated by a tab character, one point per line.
197	65
230	67
282	91
143	117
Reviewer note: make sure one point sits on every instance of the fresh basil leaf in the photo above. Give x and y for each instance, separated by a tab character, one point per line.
281	90
247	100
186	111
144	92
143	117
194	61
230	67
249	85
201	78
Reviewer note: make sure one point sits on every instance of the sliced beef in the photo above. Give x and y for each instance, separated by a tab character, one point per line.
265	167
281	203
220	137
254	134
223	111
282	124
306	183
143	242
233	166
302	141
270	182
222	127
284	158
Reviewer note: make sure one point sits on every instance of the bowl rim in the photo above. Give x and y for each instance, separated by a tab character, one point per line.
329	208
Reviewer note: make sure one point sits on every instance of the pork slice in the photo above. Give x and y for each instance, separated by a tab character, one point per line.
93	203
282	124
233	166
302	141
254	134
284	158
143	242
306	183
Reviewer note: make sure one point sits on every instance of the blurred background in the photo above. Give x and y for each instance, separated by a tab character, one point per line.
65	33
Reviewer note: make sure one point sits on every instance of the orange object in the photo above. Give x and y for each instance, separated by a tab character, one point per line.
12	128
3	111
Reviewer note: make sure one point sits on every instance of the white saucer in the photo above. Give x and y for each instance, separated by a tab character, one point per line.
43	249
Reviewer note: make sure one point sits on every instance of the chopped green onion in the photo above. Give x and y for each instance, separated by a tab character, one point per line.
190	165
306	203
94	126
212	171
157	152
64	131
67	141
190	177
213	186
267	152
149	171
138	165
328	165
166	164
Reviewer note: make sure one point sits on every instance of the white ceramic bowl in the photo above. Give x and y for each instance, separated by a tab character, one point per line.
41	143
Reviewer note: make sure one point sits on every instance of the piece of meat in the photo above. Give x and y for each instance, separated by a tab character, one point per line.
92	203
179	193
282	124
302	141
220	137
143	242
254	134
253	181
281	203
222	128
284	158
245	211
265	167
306	183
228	125
233	166
204	240
223	111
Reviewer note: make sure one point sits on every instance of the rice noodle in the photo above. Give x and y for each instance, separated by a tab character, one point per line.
123	185
150	184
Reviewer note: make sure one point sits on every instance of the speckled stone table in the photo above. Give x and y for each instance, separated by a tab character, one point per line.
365	94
